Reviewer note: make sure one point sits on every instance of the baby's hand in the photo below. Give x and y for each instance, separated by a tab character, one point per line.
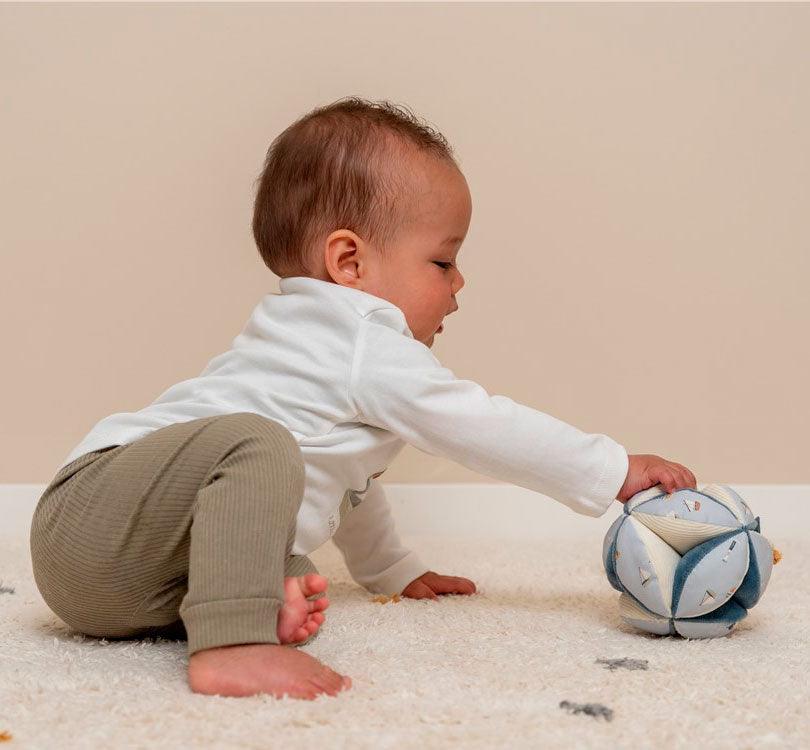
429	584
647	470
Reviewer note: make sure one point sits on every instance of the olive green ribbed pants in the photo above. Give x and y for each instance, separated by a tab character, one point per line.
184	533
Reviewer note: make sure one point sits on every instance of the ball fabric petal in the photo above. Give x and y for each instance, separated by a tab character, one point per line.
709	574
638	616
717	623
759	571
731	500
645	566
609	552
690	505
680	533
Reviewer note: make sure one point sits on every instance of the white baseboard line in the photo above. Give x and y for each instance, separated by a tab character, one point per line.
493	510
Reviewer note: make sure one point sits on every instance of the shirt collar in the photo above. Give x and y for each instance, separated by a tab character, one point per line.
362	301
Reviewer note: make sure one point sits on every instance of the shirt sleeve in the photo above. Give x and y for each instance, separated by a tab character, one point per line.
371	549
397	384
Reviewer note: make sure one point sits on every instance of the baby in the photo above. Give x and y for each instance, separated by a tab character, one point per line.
193	517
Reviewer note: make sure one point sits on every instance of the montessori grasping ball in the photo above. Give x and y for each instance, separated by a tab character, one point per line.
692	562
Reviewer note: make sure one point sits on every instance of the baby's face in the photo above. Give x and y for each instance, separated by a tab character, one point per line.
419	274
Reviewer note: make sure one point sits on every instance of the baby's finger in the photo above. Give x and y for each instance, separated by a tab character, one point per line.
676	478
692	478
685	475
444	585
456	585
667	479
421	591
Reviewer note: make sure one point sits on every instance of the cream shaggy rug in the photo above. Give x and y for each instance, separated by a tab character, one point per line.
526	662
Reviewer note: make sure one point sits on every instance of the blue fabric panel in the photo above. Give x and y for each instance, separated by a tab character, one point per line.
715	578
609	552
690	561
714	624
748	593
759	571
729	613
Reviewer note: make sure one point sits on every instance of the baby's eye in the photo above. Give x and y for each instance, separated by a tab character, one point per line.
443	264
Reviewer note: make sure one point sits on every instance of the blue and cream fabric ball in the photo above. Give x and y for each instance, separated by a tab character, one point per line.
692	562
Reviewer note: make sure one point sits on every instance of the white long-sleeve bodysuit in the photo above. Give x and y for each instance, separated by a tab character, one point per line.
341	370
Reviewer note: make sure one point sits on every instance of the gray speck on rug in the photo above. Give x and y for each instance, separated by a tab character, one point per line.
626	662
591	709
5	589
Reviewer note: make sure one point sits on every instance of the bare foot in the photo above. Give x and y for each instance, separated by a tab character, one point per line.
251	668
299	618
248	669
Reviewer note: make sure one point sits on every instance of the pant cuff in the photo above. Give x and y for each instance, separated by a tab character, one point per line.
230	622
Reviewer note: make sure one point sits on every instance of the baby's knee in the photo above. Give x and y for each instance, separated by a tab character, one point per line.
279	439
249	423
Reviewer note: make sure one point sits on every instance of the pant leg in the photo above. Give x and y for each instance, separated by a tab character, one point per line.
194	521
294	565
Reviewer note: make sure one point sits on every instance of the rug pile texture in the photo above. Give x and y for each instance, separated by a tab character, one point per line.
537	658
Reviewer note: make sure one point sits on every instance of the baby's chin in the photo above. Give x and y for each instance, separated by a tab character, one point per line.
430	339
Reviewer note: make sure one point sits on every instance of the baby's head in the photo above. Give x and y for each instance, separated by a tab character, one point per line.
362	194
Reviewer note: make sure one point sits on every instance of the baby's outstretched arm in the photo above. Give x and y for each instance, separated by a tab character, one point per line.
398	385
646	470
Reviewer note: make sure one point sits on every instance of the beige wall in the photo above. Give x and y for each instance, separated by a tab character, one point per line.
638	260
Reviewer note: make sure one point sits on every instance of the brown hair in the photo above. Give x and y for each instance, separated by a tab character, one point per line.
333	169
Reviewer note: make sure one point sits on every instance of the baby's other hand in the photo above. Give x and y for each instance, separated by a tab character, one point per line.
429	584
647	470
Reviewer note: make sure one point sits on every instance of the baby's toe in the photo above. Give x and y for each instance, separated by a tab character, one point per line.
312	583
316	605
